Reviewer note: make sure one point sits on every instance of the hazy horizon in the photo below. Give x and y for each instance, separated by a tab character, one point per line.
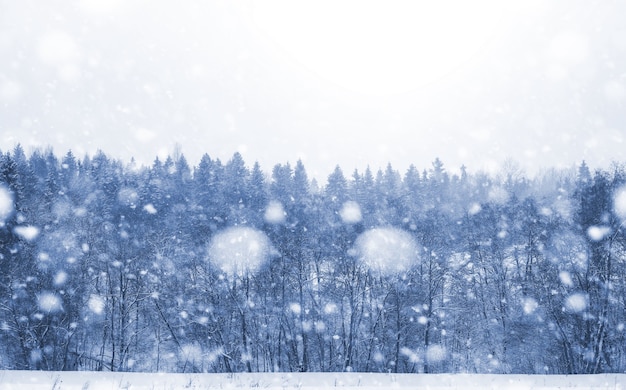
354	84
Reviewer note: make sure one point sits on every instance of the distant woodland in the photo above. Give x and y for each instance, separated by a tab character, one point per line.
104	265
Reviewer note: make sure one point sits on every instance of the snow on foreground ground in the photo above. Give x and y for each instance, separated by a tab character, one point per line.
35	380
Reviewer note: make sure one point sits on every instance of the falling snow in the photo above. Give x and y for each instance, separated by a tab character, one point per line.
435	353
6	204
239	250
566	278
96	304
474	209
619	203
350	213
529	305
28	233
167	264
576	303
388	250
128	197
150	209
49	302
295	308
60	278
598	233
275	213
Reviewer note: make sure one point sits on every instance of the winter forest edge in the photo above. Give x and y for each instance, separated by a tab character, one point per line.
226	268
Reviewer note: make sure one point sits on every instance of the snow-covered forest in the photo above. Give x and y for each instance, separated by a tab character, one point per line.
222	267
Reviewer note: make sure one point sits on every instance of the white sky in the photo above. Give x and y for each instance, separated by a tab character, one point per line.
354	83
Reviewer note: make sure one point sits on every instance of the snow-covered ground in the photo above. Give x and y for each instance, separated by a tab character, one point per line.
34	380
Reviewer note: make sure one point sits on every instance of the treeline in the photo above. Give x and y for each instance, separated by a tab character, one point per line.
105	266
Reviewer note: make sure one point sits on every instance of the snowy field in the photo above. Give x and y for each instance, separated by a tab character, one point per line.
35	380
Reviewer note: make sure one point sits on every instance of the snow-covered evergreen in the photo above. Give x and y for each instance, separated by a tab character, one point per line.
222	268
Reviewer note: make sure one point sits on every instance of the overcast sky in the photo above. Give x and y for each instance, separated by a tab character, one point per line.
353	83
